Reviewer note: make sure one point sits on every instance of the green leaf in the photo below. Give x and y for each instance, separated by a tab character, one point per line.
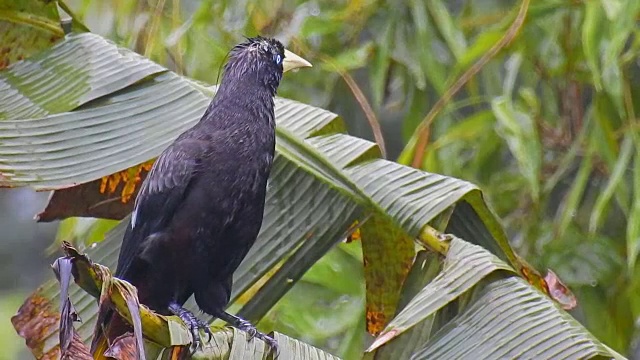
582	259
593	30
467	129
519	130
567	159
510	319
604	37
611	8
483	42
82	232
446	26
425	268
319	25
574	197
82	68
351	59
617	333
605	145
27	27
381	62
293	349
430	66
626	150
633	224
326	304
542	9
621	28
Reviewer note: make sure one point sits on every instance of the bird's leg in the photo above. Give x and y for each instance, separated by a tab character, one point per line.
192	321
249	328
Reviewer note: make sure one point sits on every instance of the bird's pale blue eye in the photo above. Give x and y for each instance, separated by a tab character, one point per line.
277	58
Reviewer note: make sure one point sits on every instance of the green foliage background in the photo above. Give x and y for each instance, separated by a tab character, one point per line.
548	128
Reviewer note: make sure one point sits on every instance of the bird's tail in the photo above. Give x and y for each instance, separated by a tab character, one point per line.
112	338
109	327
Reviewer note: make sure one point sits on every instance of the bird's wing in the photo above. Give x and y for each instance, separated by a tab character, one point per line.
161	193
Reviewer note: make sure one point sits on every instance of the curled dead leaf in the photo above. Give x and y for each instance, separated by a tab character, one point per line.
560	292
62	267
130	177
109	197
88	274
77	349
123	348
36	321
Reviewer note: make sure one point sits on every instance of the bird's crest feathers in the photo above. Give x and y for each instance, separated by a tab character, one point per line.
256	58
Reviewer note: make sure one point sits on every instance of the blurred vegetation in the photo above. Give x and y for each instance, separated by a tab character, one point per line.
547	127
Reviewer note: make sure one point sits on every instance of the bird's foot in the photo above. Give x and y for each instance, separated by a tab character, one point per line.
194	324
249	328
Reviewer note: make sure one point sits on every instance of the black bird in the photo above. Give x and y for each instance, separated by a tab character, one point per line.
200	208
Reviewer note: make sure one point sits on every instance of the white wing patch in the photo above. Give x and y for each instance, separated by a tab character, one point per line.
133	217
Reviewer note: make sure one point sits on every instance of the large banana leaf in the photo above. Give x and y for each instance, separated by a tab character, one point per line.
503	317
323	181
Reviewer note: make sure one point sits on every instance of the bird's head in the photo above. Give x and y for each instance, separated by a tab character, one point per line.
261	60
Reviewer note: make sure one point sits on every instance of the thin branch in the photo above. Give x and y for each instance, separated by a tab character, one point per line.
155	22
176	54
366	108
358	94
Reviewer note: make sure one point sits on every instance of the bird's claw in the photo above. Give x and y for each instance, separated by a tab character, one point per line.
207	330
247	327
251	330
273	344
243	325
194	324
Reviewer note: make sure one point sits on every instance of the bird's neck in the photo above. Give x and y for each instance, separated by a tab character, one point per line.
236	103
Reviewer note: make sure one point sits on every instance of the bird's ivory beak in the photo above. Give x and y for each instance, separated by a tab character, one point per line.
292	61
